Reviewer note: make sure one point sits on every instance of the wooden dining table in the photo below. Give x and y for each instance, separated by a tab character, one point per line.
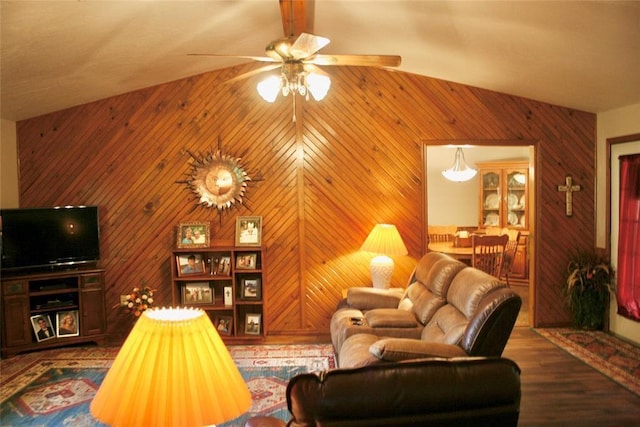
461	253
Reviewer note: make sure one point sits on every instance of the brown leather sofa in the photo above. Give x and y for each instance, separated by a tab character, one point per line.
431	392
448	310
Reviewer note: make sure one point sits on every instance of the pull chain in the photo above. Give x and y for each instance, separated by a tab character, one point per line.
294	106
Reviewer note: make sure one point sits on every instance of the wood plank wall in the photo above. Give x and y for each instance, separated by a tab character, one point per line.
320	183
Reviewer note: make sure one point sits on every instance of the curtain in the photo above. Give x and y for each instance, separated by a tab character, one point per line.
628	282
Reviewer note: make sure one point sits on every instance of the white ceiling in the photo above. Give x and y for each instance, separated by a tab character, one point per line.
579	54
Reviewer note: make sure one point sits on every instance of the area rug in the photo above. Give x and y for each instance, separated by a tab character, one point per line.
609	355
55	387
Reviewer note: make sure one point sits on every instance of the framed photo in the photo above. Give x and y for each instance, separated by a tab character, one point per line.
249	231
197	293
253	324
250	289
190	264
67	323
224	266
224	325
246	261
228	295
42	327
193	235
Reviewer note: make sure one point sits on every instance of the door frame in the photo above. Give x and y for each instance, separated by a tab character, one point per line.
533	214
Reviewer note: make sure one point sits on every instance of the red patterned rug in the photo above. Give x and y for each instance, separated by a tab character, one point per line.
613	357
267	369
55	387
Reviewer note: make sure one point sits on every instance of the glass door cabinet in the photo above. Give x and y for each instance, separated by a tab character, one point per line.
504	195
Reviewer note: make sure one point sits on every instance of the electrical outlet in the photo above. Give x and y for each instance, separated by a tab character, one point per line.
123	299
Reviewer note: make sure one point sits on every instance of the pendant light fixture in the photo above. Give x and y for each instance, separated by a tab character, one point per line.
459	171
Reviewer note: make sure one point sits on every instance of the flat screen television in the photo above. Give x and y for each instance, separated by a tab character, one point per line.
59	237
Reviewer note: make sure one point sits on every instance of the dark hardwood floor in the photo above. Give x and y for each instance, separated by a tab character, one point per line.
558	389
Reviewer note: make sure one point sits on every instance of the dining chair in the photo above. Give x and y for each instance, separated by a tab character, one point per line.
441	233
488	252
510	250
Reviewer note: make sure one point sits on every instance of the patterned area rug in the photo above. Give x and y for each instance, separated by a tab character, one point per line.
609	355
55	387
267	369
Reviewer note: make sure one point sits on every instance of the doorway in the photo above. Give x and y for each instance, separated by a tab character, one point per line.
447	202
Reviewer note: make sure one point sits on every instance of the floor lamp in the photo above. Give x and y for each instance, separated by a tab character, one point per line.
385	241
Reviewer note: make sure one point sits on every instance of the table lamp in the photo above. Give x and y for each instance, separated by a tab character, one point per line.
172	370
385	241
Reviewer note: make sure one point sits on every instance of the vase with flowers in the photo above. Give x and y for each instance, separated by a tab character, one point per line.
139	300
587	287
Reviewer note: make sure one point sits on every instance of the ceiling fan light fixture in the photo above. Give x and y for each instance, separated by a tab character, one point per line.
459	171
281	48
294	79
318	85
269	88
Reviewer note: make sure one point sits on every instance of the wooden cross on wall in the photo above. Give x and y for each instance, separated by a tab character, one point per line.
569	188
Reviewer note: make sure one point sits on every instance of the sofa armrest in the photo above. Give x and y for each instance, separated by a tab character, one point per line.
370	298
399	349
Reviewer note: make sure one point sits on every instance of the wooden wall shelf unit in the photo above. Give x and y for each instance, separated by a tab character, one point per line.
504	203
228	284
47	294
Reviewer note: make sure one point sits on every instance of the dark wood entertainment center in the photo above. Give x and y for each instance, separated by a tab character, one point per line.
47	294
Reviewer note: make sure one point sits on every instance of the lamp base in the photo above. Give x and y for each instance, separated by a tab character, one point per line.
381	271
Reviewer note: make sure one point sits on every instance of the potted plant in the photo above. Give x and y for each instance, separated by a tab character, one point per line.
589	280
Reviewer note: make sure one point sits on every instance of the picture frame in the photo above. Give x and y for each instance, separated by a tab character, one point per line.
194	293
246	260
251	289
42	327
228	295
193	235
249	231
253	324
190	264
224	325
224	266
67	324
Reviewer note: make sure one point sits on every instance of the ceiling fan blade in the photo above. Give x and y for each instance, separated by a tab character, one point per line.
356	60
297	16
253	58
308	44
254	72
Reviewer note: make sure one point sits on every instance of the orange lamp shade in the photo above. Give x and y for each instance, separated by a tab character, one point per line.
172	370
384	239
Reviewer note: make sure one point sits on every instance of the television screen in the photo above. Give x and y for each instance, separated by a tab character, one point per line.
49	237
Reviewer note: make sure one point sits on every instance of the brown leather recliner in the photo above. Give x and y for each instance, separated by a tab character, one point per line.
451	312
432	392
396	312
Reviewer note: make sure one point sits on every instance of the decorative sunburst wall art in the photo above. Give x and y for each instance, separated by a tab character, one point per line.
217	179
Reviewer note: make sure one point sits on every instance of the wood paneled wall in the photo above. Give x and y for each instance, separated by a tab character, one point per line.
320	183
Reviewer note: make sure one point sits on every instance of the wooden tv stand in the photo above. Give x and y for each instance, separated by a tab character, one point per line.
47	294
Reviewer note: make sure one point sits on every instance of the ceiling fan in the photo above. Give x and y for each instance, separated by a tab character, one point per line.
297	56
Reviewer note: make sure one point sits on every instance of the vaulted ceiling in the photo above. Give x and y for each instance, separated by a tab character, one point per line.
579	54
